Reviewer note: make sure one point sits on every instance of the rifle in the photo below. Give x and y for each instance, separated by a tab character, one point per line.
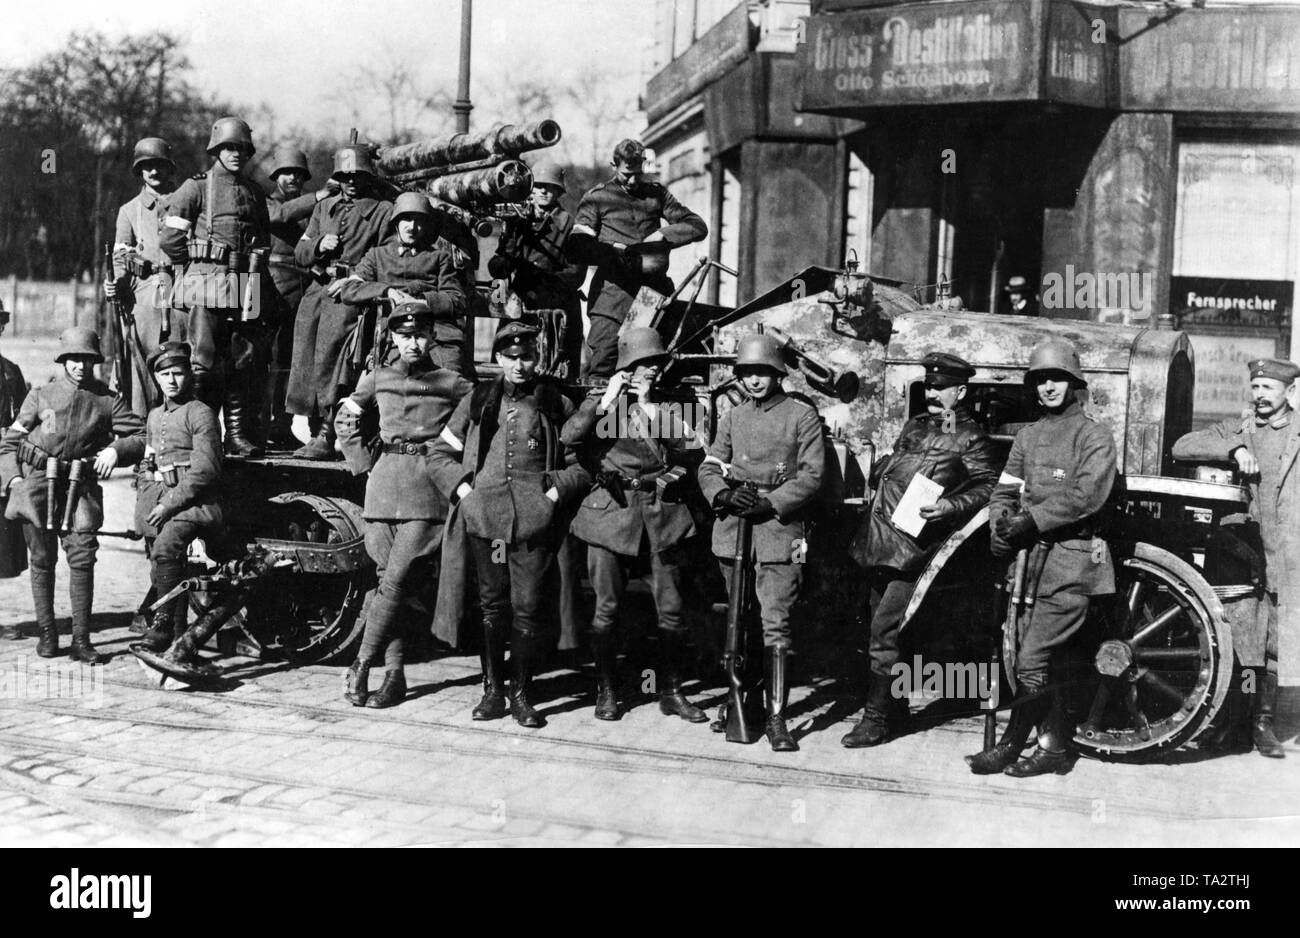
740	728
121	374
1014	593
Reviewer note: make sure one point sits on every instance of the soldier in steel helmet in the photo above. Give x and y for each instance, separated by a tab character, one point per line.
533	253
216	225
620	227
342	229
414	263
288	209
501	462
772	441
177	485
1262	445
1050	498
13	388
947	446
79	430
404	509
635	445
140	278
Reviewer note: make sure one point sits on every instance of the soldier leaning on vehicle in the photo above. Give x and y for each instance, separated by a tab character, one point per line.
774	441
634	445
948	447
342	229
79	430
1263	445
1049	500
619	228
412	264
501	461
404	510
215	225
176	485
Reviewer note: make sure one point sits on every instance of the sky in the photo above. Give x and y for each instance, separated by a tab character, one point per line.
295	55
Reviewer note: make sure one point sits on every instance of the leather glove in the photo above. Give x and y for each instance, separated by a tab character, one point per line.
1017	529
499	267
735	501
761	511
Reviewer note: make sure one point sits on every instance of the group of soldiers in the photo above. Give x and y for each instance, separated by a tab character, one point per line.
497	476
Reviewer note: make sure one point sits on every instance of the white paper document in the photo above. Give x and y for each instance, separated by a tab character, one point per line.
920	492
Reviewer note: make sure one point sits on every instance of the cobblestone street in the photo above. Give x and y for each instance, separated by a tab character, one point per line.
104	757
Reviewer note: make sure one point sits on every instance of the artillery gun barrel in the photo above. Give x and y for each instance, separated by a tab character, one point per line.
510	181
463	148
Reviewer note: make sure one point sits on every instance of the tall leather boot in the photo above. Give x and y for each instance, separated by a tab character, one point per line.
280	433
1024	717
879	717
321	446
1051	756
523	656
239	419
1262	734
602	649
43	601
672	702
206	388
1231	730
493	660
81	587
162	620
778	696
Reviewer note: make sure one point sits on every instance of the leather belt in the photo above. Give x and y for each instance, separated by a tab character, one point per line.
34	456
169	475
637	483
402	448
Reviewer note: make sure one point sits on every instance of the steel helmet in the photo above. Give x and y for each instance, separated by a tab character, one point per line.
286	158
151	148
230	130
78	340
412	203
353	158
758	350
549	174
640	344
1055	355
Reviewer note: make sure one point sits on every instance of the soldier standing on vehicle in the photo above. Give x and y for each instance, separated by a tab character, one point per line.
1049	499
1263	446
773	441
342	229
176	485
216	225
13	552
1020	299
141	271
618	228
947	446
404	510
79	430
288	210
502	463
416	265
533	253
636	444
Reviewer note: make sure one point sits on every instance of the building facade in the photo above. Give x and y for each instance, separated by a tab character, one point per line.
1134	162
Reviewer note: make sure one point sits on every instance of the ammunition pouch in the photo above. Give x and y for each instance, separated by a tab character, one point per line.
139	267
169	475
34	456
335	270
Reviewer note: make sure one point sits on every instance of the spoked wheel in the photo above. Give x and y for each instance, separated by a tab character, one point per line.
1164	666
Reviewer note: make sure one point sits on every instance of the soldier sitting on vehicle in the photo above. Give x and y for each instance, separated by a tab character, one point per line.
67	436
404	510
635	445
1048	501
418	265
951	449
1263	446
176	485
774	441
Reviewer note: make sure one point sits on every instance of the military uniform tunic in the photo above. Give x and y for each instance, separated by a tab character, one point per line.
13	553
611	214
777	444
1067	464
137	232
324	323
544	275
1275	505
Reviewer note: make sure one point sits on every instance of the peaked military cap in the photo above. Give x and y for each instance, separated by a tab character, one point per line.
168	354
1278	369
515	335
406	318
943	370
